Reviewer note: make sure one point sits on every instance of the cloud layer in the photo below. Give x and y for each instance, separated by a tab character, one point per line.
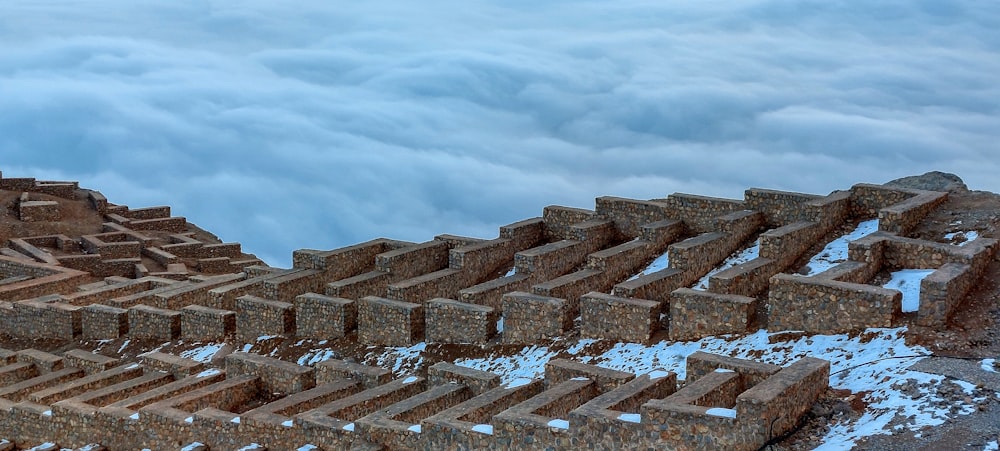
323	124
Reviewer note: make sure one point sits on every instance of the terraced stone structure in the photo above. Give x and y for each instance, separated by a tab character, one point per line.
143	275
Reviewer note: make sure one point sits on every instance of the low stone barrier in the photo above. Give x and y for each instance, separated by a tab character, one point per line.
200	323
450	321
276	376
145	322
529	318
256	317
332	370
385	322
323	317
697	314
604	316
827	306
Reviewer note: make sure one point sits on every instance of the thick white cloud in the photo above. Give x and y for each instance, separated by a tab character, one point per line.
321	124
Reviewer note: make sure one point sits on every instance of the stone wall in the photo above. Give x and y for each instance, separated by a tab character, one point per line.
902	217
700	212
322	317
275	375
145	322
697	314
604	316
779	207
200	323
630	214
529	317
385	322
103	322
558	219
450	321
256	317
828	306
867	199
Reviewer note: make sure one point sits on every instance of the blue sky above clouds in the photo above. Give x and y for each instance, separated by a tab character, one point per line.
321	124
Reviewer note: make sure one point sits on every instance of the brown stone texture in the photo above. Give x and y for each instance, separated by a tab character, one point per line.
604	316
451	321
200	323
696	314
257	317
529	317
385	322
323	317
827	306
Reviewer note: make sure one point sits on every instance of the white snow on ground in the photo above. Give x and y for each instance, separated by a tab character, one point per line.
349	427
192	446
559	423
873	364
737	258
314	356
208	372
511	272
483	429
414	428
251	447
969	235
309	447
402	360
500	324
202	353
721	412
630	417
582	343
529	364
661	262
992	446
907	281
835	251
989	365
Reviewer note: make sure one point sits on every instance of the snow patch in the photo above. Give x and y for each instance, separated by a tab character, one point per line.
410	380
287	423
835	251
518	382
559	423
724	370
208	372
989	365
349	427
721	412
529	363
660	263
630	417
192	446
235	420
737	258
400	359
658	374
414	428
966	237
483	429
203	353
907	281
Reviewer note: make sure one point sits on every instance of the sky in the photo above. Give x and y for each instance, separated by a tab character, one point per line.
321	124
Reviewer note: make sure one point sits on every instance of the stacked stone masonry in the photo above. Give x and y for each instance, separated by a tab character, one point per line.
146	275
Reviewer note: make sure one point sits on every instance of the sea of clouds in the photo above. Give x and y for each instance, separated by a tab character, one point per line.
318	124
